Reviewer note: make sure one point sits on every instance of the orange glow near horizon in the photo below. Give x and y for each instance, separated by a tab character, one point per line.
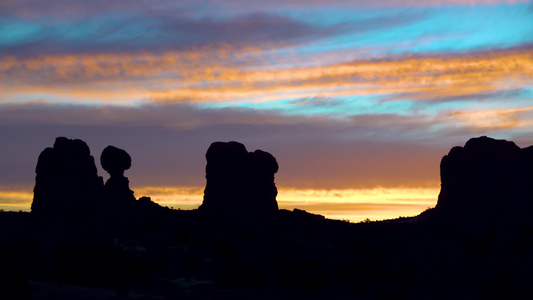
354	205
15	199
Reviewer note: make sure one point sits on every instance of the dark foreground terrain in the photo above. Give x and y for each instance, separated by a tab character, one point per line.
87	240
292	255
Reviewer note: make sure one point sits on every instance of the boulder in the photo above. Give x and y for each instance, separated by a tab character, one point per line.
117	190
115	160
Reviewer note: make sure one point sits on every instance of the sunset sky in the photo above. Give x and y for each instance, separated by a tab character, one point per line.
358	100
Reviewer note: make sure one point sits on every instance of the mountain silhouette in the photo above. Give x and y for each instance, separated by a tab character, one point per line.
87	240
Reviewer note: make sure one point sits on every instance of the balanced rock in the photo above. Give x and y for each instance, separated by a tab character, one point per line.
66	179
115	161
238	181
487	179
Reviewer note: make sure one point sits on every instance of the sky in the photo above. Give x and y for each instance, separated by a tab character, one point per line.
357	100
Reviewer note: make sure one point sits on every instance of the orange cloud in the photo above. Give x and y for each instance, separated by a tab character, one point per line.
214	74
421	77
494	118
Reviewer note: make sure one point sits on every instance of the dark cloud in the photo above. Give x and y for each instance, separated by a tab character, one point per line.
163	33
488	96
165	115
168	143
416	128
318	102
75	9
159	32
254	29
78	8
81	8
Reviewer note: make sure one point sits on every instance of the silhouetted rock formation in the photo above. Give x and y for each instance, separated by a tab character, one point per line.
148	252
238	181
68	188
486	179
263	166
66	180
115	161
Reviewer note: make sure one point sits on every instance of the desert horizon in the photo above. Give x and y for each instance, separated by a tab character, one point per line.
302	149
354	205
86	238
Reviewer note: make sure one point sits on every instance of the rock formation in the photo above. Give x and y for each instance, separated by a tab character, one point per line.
263	190
238	181
115	161
66	180
487	179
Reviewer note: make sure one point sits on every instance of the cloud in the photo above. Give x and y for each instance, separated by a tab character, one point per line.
496	119
78	8
325	156
142	32
168	144
340	103
73	9
162	33
474	97
212	75
317	102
